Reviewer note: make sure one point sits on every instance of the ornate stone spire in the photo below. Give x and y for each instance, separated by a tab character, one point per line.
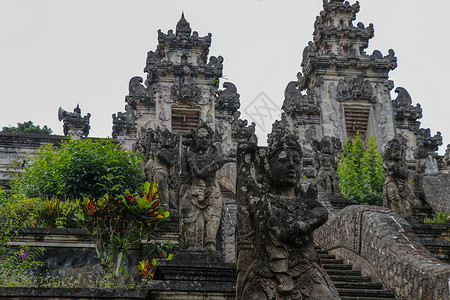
183	28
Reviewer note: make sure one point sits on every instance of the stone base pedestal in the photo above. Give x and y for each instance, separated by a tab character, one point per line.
198	277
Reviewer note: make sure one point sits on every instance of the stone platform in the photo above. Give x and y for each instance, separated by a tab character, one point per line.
193	279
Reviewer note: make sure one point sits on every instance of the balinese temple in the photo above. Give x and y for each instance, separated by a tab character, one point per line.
342	90
181	88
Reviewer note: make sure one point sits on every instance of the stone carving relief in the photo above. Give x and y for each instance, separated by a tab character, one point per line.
74	123
160	148
355	89
227	100
425	153
185	89
276	220
397	194
201	204
406	115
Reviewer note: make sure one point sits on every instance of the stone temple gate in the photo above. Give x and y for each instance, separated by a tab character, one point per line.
189	130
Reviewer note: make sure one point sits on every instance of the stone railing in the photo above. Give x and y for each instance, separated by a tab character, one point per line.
383	245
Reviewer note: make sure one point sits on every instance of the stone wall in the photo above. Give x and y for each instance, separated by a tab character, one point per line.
436	191
16	145
383	245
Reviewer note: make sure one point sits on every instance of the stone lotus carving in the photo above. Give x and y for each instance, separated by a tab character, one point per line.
160	147
397	195
201	203
275	223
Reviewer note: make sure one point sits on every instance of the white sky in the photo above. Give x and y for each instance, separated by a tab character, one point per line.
64	52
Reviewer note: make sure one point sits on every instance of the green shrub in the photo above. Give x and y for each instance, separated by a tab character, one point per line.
79	168
28	127
440	218
361	173
17	264
55	213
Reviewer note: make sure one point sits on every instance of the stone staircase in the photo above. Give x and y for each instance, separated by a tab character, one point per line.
350	284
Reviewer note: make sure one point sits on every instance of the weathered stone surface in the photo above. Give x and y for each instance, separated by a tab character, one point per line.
397	195
385	244
75	124
436	188
21	293
14	146
201	279
161	150
201	203
276	219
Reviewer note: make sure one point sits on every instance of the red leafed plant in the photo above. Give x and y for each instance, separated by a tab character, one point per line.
121	221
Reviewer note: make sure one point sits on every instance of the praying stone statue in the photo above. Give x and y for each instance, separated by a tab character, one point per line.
160	147
275	224
397	194
201	204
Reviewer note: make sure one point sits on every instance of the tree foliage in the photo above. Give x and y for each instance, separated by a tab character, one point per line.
28	127
361	173
79	168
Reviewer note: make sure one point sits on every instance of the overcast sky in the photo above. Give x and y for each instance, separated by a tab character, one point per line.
60	53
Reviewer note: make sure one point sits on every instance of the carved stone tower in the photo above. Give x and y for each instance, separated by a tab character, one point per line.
181	89
347	90
343	90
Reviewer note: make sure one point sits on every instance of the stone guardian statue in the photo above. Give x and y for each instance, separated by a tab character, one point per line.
201	201
276	256
397	194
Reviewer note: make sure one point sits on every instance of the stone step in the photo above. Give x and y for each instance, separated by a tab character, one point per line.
366	293
365	298
330	261
335	267
326	256
349	283
343	272
358	285
340	278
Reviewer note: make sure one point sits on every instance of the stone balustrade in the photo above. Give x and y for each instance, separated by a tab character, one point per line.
383	245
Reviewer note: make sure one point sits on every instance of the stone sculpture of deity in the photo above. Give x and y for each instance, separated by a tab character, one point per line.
161	147
397	194
201	201
275	224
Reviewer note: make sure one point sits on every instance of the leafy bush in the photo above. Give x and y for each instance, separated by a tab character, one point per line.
440	218
17	264
79	168
361	173
28	127
54	213
120	221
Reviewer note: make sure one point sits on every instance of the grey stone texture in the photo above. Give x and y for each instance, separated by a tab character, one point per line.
384	245
436	189
15	146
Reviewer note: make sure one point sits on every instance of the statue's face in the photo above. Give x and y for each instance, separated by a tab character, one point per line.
285	168
204	139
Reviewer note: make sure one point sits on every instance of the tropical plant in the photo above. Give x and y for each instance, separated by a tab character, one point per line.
79	168
361	173
28	127
17	264
121	221
439	218
55	213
